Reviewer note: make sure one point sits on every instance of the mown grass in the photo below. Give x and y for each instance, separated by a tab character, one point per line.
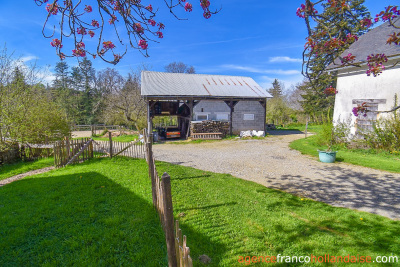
121	138
100	213
225	217
367	158
8	170
97	213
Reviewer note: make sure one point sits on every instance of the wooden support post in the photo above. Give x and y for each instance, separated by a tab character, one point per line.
231	105
264	105
190	105
111	144
169	220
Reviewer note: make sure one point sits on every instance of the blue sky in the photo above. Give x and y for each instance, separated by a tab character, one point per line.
262	39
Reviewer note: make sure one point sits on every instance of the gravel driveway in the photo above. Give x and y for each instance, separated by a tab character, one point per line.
272	163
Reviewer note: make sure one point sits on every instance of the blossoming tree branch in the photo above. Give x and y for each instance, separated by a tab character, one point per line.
78	22
331	37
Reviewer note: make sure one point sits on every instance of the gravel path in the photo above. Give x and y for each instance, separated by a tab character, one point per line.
272	163
23	175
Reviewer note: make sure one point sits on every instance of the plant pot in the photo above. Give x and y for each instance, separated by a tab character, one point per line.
327	156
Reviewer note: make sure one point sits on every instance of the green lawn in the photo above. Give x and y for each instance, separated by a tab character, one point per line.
9	170
225	217
97	213
367	158
100	213
121	138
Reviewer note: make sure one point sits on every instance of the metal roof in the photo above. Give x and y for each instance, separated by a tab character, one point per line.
372	42
162	84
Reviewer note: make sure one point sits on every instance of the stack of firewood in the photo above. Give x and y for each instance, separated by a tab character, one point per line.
210	127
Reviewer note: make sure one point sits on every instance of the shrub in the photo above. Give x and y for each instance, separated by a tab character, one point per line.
385	136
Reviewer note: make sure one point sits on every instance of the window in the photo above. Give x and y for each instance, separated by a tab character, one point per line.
222	116
202	116
365	124
248	117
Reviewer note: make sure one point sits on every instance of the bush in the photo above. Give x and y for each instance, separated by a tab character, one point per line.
385	136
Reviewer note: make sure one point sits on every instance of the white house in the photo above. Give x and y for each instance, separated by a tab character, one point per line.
354	87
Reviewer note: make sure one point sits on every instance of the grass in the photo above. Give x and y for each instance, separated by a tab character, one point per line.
9	170
100	213
367	158
121	138
226	217
97	213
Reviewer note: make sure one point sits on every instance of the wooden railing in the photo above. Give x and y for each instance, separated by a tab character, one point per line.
178	252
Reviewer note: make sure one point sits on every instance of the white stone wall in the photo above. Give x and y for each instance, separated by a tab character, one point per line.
357	85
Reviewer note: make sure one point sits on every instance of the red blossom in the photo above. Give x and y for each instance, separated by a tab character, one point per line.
330	91
91	33
112	19
207	14
149	8
152	22
143	44
117	58
52	8
138	28
108	45
81	30
56	43
204	4
188	7
160	34
161	26
88	9
79	52
95	23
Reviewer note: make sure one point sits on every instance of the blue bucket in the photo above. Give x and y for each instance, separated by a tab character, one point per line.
327	157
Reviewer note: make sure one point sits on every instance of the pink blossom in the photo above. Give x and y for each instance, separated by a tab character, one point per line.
188	7
95	23
152	22
88	9
143	44
160	34
56	43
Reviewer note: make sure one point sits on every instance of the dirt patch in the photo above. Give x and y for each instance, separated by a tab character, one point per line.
23	175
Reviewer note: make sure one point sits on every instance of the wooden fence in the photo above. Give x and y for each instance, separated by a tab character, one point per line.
79	150
178	252
71	151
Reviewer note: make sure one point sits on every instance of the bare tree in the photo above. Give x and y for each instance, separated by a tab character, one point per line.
124	104
179	67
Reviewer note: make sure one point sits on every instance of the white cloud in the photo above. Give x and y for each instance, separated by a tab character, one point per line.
28	58
285	59
261	71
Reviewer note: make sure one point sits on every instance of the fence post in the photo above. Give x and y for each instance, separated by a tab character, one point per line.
68	149
111	148
168	219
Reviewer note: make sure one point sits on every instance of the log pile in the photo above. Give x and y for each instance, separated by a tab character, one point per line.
210	127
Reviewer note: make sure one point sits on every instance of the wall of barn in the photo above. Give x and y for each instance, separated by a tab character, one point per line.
247	115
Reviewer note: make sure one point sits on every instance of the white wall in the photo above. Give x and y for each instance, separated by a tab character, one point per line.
358	85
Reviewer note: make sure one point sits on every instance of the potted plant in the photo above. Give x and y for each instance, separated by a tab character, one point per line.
328	156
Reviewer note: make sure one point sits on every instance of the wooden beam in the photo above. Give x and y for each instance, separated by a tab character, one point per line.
231	104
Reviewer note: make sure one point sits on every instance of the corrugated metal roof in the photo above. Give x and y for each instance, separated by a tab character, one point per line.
182	84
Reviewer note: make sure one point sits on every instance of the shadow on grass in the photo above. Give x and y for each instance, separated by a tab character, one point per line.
345	187
284	132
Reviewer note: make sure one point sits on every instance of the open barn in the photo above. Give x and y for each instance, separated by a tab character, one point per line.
237	100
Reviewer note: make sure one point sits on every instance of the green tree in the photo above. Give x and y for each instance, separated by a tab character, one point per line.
277	88
340	26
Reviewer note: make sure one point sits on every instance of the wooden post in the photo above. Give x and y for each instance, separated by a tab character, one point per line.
190	104
68	148
111	144
169	220
264	105
306	127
